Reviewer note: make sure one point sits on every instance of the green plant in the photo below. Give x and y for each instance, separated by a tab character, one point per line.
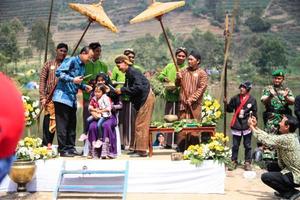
30	148
215	150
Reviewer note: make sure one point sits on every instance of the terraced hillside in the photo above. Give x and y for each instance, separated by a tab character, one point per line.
68	25
27	11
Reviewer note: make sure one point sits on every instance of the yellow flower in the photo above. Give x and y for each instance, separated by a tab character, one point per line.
219	148
217	114
207	103
216	104
190	148
199	150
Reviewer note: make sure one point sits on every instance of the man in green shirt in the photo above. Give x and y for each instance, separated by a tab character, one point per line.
128	114
94	67
168	76
276	98
283	177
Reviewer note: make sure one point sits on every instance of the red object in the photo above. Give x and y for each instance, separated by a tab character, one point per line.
243	102
12	118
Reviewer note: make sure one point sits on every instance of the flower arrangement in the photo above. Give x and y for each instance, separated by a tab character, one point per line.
31	110
31	149
211	110
216	150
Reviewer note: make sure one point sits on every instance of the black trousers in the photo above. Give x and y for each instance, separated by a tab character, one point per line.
47	136
236	140
127	117
65	118
282	183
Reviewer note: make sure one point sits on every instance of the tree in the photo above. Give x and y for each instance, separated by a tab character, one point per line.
269	52
27	53
3	62
161	38
246	70
257	24
151	54
37	37
211	5
210	47
16	25
8	40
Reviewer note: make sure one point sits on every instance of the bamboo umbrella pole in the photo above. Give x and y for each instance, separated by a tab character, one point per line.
228	38
99	16
45	60
159	18
87	27
48	31
226	34
51	92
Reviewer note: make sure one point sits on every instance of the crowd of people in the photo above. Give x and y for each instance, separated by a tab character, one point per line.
117	106
117	110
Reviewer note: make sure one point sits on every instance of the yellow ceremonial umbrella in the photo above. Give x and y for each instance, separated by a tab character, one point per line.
157	10
95	13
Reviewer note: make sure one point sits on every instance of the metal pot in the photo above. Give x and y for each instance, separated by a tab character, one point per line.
22	172
170	118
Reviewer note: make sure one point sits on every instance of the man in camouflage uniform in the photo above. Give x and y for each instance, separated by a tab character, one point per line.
276	99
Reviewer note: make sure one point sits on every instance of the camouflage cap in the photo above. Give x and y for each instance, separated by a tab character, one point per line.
278	72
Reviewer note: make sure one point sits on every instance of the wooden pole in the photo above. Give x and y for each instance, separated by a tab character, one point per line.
87	27
48	31
159	18
226	34
45	60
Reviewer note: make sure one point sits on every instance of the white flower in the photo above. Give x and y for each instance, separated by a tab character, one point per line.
37	111
21	143
25	98
211	154
35	104
186	152
39	141
205	149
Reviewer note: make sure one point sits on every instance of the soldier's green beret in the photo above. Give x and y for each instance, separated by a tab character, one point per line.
278	72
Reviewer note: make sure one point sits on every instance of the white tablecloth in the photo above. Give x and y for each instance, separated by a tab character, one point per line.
157	176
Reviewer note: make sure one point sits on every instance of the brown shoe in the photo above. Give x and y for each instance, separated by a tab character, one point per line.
140	154
247	166
233	165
